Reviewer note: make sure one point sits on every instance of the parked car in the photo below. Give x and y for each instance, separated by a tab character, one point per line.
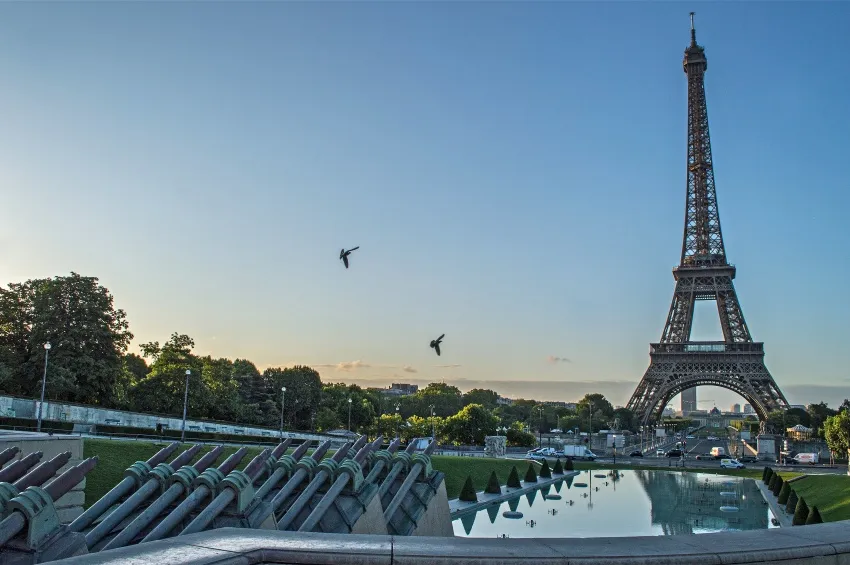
636	453
731	464
712	438
659	453
674	453
690	437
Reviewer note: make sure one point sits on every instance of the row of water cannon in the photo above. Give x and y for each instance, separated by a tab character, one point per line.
158	499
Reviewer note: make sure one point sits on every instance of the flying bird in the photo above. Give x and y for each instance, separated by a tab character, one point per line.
435	343
343	254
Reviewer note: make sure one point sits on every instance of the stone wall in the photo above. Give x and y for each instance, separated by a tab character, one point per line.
71	505
90	415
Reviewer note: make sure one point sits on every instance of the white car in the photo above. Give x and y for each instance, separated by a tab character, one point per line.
712	438
690	437
731	464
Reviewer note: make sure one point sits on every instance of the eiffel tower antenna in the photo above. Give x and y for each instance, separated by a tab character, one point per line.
677	363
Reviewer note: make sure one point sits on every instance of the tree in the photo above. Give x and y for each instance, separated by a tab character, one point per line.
836	430
302	397
545	471
791	505
602	411
518	438
818	414
801	513
467	493
814	517
513	479
773	480
446	399
161	391
487	398
87	333
470	425
784	493
493	486
764	473
530	474
777	487
558	469
626	419
768	473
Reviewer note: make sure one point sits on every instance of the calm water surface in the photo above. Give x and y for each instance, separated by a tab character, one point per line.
638	503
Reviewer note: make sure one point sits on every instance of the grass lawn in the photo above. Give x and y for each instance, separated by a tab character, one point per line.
830	493
115	456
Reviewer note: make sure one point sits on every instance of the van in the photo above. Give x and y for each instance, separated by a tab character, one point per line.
717	452
810	458
731	464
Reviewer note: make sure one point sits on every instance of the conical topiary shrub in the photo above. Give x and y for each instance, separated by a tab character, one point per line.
768	474
773	478
530	475
493	486
764	473
777	488
513	479
558	469
791	505
467	493
568	466
784	493
801	513
545	471
814	517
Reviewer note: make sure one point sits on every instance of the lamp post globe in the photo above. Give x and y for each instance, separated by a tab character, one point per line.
349	413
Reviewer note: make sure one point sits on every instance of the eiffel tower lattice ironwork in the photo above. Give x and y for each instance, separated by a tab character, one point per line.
676	363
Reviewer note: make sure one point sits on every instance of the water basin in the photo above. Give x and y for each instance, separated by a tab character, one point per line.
638	503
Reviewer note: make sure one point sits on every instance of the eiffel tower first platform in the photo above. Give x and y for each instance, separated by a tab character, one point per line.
676	362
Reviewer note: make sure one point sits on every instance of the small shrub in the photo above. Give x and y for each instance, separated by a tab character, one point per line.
777	488
568	466
545	471
467	493
772	483
764	473
791	505
530	475
493	486
558	469
814	517
513	479
767	475
784	494
801	513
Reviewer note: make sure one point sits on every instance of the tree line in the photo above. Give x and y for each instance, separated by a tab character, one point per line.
89	363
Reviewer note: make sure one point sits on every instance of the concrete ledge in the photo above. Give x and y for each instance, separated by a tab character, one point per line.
459	508
822	544
775	507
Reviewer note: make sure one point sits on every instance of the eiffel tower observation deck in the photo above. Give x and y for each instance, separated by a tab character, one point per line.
704	273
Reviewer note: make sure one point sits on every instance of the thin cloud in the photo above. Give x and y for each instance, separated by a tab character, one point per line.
409	369
345	365
447	366
554	360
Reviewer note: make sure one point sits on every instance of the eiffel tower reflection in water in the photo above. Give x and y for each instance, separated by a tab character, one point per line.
630	503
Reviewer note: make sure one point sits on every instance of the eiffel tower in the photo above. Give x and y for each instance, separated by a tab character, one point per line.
676	362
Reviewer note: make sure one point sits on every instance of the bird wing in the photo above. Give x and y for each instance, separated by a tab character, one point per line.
439	339
345	260
437	347
354	249
342	253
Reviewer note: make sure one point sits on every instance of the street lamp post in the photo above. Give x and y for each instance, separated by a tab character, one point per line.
185	403
433	433
540	426
43	385
282	397
349	413
397	418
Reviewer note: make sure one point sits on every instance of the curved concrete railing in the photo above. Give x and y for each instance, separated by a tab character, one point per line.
803	545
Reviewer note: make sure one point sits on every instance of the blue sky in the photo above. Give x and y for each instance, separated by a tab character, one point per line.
512	172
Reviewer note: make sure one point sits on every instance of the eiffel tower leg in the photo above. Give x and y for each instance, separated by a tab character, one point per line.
677	329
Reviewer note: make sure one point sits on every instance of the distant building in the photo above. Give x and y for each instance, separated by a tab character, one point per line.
800	406
735	409
400	389
689	401
748	409
668	412
555	403
570	405
502	401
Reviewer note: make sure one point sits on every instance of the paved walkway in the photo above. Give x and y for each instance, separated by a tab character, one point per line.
459	508
777	509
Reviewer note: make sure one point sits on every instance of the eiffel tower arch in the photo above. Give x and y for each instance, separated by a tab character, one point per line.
676	363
